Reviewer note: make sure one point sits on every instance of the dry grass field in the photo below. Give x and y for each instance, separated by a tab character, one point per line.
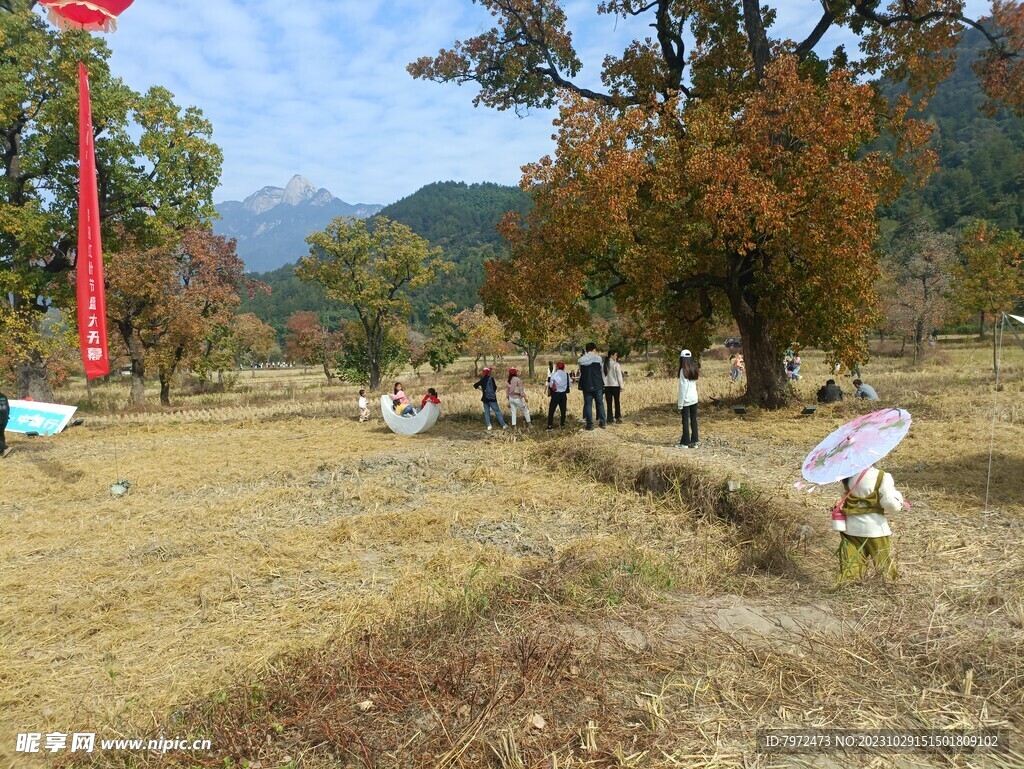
308	591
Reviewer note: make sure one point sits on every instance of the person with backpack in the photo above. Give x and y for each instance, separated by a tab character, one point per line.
613	384
5	414
687	401
592	385
864	533
489	397
558	390
516	393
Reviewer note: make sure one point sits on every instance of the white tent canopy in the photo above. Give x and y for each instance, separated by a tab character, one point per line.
1017	318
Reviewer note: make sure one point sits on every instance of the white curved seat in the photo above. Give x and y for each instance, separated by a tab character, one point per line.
420	423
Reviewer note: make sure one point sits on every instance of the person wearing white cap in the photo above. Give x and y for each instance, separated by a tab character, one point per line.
688	373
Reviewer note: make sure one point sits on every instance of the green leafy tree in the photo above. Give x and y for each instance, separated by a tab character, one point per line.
156	170
446	341
373	269
354	363
990	280
253	341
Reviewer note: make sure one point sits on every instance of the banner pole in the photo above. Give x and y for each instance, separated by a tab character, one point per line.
90	289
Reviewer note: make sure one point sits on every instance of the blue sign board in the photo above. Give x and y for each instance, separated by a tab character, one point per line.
42	418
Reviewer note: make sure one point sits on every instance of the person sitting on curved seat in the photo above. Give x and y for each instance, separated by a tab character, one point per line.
430	397
402	406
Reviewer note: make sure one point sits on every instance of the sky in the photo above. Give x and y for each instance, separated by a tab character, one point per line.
319	87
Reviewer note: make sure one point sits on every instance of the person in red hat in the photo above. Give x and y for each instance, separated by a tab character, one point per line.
489	397
558	388
517	396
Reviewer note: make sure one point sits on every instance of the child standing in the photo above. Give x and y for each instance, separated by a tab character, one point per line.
688	374
867	536
364	408
517	396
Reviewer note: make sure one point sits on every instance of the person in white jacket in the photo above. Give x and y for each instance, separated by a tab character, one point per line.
613	384
688	374
869	496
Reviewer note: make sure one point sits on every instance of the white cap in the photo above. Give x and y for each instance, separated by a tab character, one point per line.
685	354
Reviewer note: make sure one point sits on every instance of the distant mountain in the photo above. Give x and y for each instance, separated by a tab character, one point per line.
271	225
460	218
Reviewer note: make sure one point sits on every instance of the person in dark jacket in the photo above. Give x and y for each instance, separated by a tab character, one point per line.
5	414
489	397
830	392
592	385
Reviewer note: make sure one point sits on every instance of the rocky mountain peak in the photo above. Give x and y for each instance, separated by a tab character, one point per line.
298	190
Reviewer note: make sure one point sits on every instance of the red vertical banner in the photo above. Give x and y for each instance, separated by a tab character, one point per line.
92	302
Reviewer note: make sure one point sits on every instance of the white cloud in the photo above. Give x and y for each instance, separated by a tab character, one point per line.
319	87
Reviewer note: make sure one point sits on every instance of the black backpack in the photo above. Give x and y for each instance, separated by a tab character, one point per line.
5	407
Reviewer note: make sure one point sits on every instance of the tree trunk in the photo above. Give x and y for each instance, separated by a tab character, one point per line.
165	389
918	336
531	358
762	353
981	325
327	372
137	356
32	378
995	357
373	353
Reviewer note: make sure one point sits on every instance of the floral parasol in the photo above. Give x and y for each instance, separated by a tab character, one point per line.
856	445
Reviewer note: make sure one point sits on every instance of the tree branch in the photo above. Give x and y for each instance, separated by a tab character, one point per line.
805	48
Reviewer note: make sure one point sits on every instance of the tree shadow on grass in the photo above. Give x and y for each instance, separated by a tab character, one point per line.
968	476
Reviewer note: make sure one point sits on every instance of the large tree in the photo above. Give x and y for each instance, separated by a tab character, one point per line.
373	267
311	343
166	301
990	280
720	172
916	281
156	170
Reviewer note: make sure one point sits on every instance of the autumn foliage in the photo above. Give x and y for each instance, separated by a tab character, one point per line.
167	300
722	175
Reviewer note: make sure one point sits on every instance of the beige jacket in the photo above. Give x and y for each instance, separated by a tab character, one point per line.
614	376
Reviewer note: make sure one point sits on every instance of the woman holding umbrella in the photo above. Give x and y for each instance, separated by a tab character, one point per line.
848	455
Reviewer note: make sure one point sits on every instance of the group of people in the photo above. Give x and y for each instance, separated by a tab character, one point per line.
600	380
830	392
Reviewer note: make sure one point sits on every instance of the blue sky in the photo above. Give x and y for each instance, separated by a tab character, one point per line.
319	87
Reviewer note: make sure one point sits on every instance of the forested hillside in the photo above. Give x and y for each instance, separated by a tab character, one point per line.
458	217
981	156
980	175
